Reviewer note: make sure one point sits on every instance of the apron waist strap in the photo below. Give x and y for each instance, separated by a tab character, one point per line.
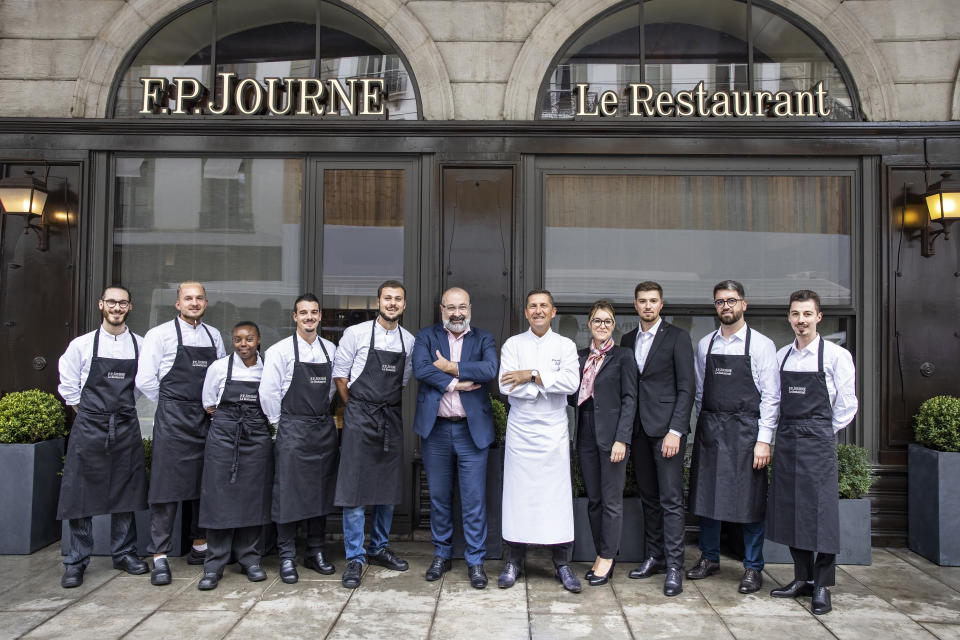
236	453
373	409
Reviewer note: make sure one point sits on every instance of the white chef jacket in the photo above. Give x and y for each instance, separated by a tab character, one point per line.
75	361
537	495
278	371
838	369
216	378
160	350
763	365
355	343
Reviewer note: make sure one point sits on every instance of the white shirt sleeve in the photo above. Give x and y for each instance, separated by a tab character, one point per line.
764	358
845	382
700	367
271	384
332	351
408	341
346	352
213	383
71	367
148	367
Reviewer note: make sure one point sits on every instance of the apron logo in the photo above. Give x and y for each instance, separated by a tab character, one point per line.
318	379
797	390
199	363
721	371
389	368
116	375
248	397
556	363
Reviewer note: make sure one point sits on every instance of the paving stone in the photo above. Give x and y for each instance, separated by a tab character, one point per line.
748	627
92	622
457	598
943	631
301	610
131	593
565	625
864	616
948	575
186	625
383	590
354	625
14	624
546	595
652	624
42	591
721	592
490	624
234	593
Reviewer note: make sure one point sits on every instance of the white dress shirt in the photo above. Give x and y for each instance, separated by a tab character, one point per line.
278	371
160	350
75	361
644	342
355	343
763	366
216	378
838	369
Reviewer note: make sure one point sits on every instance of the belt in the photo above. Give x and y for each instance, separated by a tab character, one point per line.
455	419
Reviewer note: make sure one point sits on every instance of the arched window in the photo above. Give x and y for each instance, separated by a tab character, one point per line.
672	45
256	39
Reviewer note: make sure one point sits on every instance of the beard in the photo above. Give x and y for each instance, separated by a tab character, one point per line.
457	324
733	318
386	315
106	316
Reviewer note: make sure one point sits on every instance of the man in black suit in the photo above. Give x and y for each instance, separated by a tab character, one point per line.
666	387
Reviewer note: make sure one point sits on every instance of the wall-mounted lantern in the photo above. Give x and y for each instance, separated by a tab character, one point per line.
943	208
26	196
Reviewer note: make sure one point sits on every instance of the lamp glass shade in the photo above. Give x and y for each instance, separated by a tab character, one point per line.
22	200
943	199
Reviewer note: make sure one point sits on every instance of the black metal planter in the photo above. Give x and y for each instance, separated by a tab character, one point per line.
101	534
30	481
631	540
934	504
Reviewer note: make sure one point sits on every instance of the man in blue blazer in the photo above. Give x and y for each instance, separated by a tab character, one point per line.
453	362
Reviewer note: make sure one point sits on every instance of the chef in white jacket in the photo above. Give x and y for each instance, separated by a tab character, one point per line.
538	369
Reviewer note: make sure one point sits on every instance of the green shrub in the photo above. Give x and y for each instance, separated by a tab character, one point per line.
31	416
854	473
499	420
630	487
937	423
147	454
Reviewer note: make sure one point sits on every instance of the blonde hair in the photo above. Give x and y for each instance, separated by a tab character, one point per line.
190	283
602	305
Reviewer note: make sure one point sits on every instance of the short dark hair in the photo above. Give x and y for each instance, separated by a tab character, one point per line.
391	284
604	305
117	286
539	292
247	323
804	295
729	285
305	297
648	285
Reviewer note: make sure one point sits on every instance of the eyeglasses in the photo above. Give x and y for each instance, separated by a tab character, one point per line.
463	308
602	322
729	302
122	304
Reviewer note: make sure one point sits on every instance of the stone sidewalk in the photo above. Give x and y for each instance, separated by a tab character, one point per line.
900	596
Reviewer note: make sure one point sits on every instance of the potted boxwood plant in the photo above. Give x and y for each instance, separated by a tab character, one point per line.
32	428
933	475
855	477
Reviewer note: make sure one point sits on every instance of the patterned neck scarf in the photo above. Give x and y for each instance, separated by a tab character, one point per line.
591	368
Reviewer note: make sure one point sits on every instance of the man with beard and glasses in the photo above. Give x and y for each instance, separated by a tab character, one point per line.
173	365
453	362
295	394
104	468
738	396
372	365
818	398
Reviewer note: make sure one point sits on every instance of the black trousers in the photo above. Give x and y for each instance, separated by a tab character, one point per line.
517	551
822	570
661	491
162	517
244	542
604	482
123	538
287	537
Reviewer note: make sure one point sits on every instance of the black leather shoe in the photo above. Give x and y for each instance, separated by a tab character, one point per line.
508	577
597	580
569	580
703	569
673	583
387	558
319	564
437	568
751	582
208	582
131	564
478	577
352	574
161	572
196	557
255	573
648	568
72	576
820	604
288	571
795	589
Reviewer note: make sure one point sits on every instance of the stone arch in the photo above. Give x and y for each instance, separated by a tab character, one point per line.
839	26
955	104
103	60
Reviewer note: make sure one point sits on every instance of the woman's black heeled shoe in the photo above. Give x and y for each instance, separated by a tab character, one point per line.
595	580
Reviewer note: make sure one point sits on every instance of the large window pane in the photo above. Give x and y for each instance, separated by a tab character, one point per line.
776	234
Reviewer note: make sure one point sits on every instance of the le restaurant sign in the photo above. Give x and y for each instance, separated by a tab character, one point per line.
367	97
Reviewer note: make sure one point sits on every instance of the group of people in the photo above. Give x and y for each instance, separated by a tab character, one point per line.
247	440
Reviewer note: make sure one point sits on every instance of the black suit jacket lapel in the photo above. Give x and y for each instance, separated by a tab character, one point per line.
657	341
629	339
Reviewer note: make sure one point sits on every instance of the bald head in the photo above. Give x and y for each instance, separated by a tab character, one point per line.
455	310
457	290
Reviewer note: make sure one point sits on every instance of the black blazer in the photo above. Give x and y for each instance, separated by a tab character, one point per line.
667	384
614	396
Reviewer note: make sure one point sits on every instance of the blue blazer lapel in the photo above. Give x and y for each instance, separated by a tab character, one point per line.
443	341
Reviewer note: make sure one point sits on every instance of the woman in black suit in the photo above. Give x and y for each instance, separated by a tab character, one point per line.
606	404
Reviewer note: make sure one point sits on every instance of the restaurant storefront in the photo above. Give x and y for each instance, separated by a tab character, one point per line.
272	148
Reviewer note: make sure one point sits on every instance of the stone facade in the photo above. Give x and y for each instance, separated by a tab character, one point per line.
476	59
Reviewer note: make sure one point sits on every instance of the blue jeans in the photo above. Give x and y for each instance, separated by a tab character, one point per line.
353	519
752	542
448	454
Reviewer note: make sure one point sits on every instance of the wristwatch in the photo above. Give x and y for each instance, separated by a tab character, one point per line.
533	375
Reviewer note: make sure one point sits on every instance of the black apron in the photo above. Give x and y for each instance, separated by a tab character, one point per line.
104	469
307	451
803	510
371	471
723	483
237	460
180	424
